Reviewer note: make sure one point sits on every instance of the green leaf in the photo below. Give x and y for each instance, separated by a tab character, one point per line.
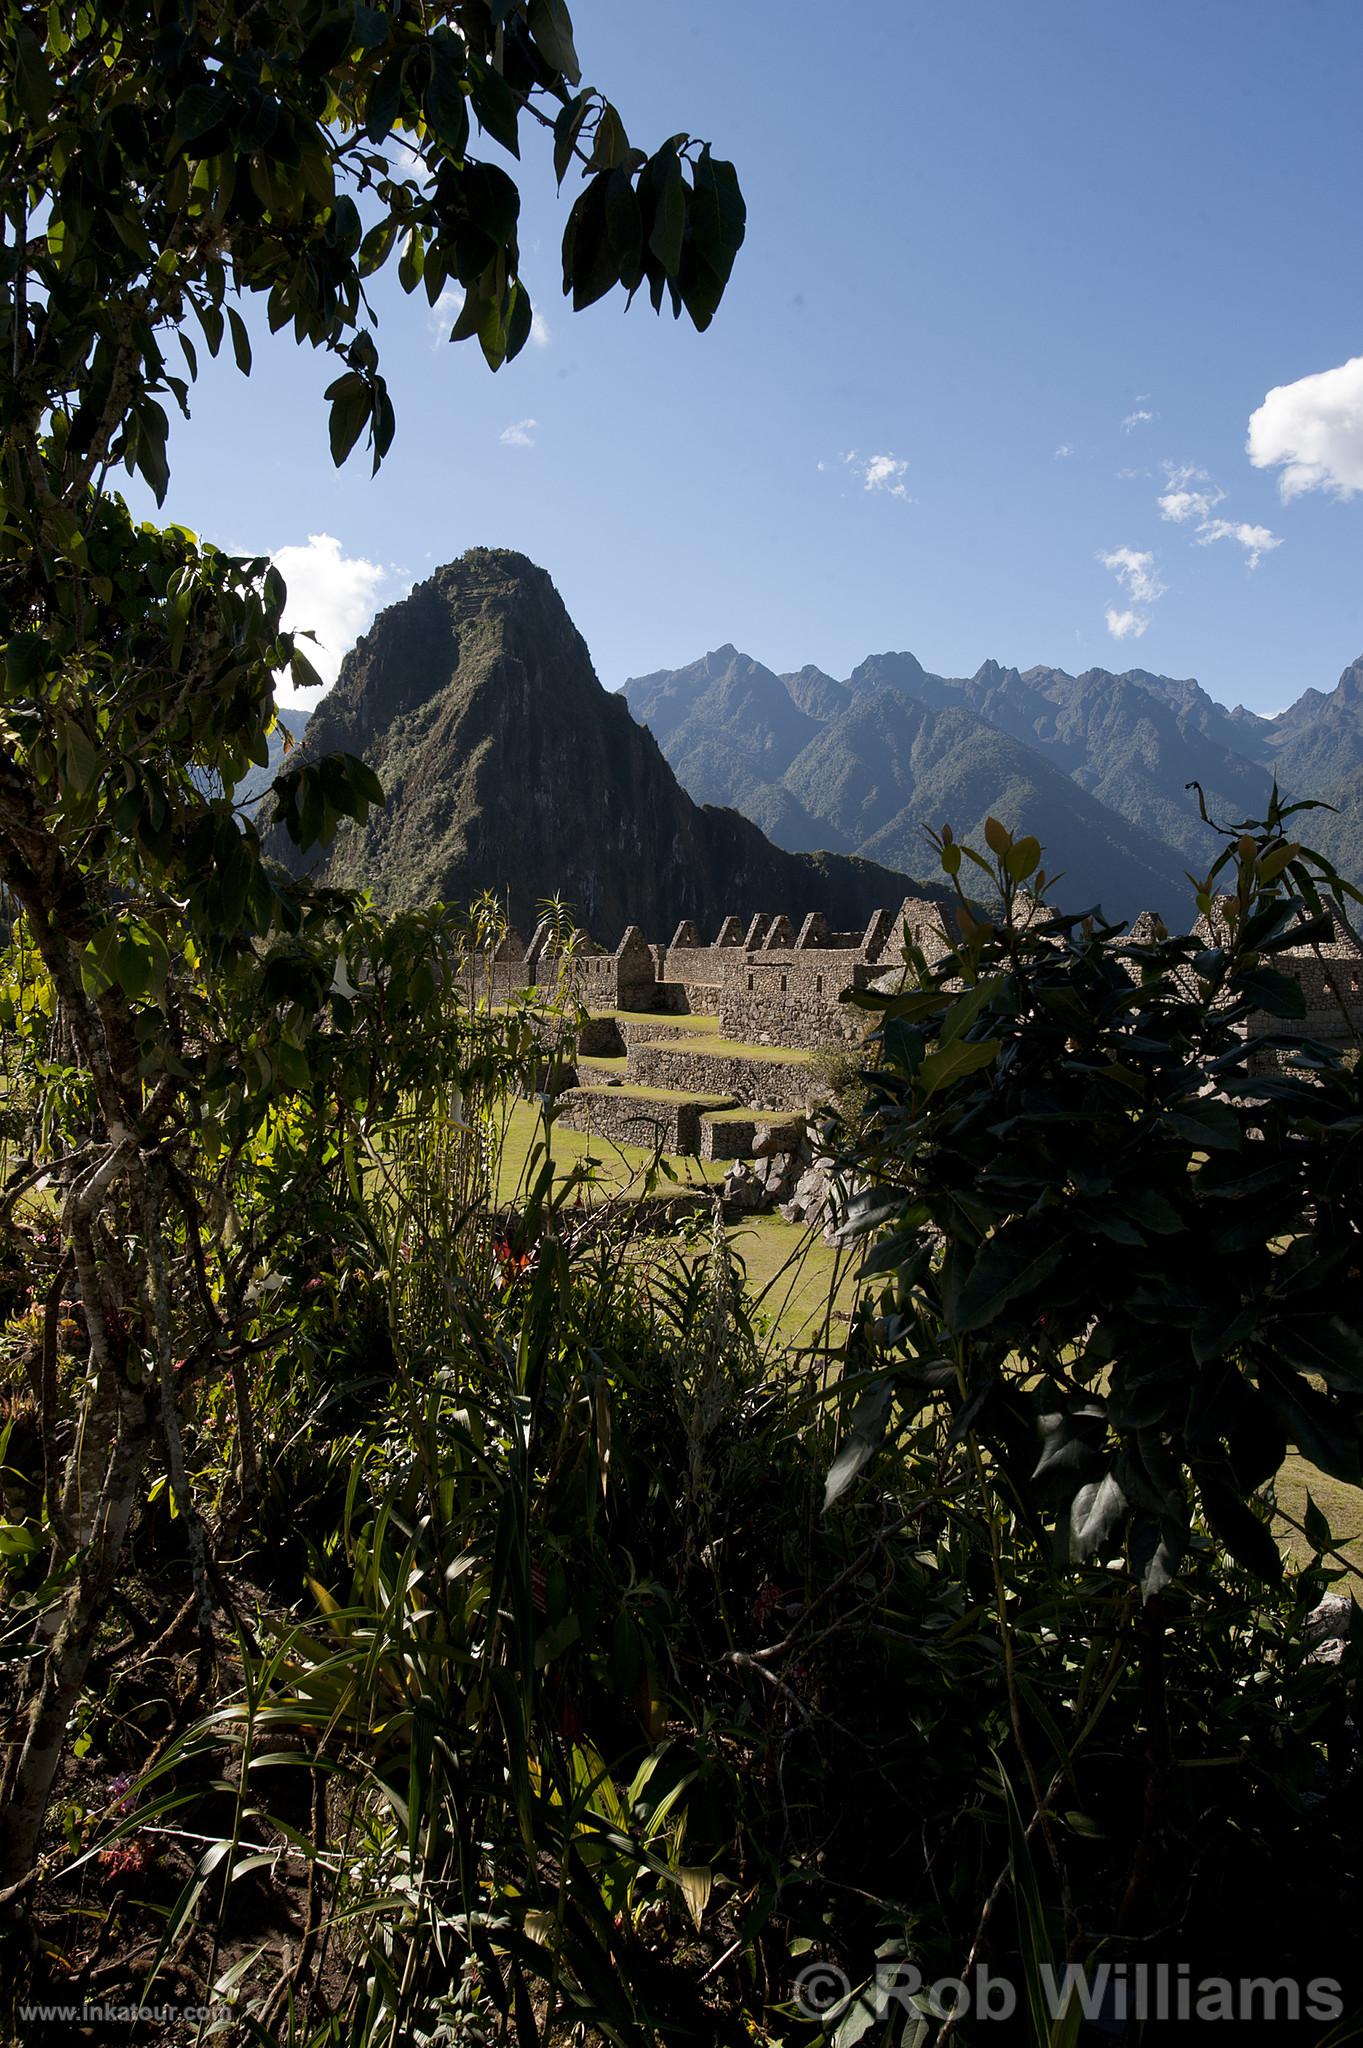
447	109
199	109
99	961
1211	1126
1097	1514
1321	1431
1324	1345
552	29
669	215
696	1882
610	144
1235	1523
26	658
1319	1534
1023	858
35	80
84	762
567	128
241	341
351	400
495	105
1014	1261
865	1434
951	1061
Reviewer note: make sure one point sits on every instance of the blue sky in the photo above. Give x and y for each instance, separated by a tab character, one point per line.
1017	279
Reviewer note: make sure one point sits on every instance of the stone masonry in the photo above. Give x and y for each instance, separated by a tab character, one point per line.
769	983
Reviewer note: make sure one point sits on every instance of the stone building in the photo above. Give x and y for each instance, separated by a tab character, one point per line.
769	983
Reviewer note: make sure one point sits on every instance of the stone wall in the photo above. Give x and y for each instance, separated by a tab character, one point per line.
791	998
756	1083
624	1118
734	1137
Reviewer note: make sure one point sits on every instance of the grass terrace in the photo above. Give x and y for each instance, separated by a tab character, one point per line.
620	1169
735	1049
697	1023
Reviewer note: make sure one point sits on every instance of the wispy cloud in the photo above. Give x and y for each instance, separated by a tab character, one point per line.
1134	569
330	594
520	434
1191	497
1257	541
541	333
1188	493
1065	448
883	473
1313	432
443	314
1139	418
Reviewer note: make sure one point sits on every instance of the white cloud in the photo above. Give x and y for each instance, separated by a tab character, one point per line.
1257	541
1136	419
332	595
1063	450
1313	431
1189	493
883	473
541	333
1134	569
874	472
520	434
443	314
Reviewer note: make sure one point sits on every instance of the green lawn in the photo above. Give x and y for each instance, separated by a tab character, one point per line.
620	1168
735	1049
683	1021
1341	1504
790	1274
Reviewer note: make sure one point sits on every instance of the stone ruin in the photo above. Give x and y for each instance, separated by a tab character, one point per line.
767	983
707	1049
770	984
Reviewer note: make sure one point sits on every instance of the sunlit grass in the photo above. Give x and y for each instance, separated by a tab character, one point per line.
737	1049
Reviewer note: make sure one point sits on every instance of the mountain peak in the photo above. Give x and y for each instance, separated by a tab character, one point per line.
507	766
888	672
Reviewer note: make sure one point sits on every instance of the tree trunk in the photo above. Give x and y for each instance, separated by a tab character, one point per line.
68	1659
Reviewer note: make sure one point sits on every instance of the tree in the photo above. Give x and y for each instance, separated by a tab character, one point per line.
1110	1180
156	166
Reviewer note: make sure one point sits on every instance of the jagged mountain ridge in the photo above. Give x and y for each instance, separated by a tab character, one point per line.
507	766
1096	764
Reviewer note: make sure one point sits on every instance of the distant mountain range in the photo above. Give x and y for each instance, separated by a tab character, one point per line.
1095	765
507	766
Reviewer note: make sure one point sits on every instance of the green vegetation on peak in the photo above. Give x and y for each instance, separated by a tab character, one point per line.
507	767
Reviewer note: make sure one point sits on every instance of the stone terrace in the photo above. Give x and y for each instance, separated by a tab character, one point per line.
766	982
699	1047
